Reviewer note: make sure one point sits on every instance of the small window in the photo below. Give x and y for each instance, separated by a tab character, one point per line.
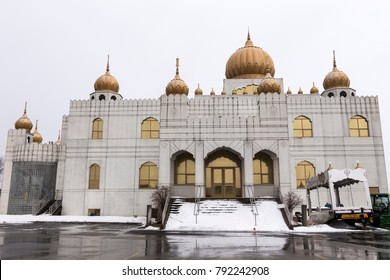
304	171
102	97
353	94
148	176
343	94
263	169
302	127
94	176
150	129
358	127
185	169
92	97
113	98
93	212
330	94
97	129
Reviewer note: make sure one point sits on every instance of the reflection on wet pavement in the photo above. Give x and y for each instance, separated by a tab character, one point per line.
121	241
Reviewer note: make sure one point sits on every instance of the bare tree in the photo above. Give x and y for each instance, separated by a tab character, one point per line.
292	200
159	197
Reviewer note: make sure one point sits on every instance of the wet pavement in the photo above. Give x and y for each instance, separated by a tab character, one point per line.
42	241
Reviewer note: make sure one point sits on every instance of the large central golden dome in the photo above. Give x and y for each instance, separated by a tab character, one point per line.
249	62
336	78
107	82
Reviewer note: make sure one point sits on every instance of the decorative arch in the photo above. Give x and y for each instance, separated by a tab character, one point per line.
223	174
150	129
97	128
184	169
263	170
358	126
304	171
148	176
302	127
94	176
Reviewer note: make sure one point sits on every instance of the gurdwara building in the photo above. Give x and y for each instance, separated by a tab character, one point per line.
255	139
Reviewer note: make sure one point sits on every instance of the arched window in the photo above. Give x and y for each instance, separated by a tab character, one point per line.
263	172
150	129
94	176
102	97
304	170
113	98
185	169
358	127
343	94
330	94
97	129
148	176
302	127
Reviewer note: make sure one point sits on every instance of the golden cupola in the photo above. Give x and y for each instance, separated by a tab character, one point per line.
24	122
336	78
314	89
107	82
37	137
177	85
268	84
249	62
198	91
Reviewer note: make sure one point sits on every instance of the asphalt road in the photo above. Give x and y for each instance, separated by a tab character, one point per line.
50	241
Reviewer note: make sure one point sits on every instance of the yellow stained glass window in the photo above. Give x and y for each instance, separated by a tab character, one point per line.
97	129
304	170
185	169
150	129
358	127
148	176
94	176
262	169
302	127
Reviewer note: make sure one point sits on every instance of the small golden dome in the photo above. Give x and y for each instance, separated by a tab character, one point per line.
177	85
249	62
58	142
268	84
223	92
335	78
24	122
289	91
107	82
198	91
212	92
37	137
314	89
300	91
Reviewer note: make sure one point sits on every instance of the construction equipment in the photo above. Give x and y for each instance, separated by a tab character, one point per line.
381	210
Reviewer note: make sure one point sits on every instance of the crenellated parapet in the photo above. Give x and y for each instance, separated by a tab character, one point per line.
37	152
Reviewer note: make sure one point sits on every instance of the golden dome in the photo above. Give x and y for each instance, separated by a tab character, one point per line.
300	91
37	137
212	92
314	90
249	62
268	84
177	85
107	82
289	91
24	122
335	78
58	142
198	91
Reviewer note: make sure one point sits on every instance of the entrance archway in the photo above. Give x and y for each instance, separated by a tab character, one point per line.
223	175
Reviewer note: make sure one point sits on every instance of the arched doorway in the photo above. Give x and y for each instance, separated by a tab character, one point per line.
223	175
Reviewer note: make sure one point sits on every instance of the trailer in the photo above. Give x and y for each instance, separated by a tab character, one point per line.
347	195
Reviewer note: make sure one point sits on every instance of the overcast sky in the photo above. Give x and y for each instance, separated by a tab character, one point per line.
52	52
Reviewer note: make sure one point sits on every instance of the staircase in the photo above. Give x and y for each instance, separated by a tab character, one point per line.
226	215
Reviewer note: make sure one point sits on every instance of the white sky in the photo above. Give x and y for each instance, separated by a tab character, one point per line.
52	52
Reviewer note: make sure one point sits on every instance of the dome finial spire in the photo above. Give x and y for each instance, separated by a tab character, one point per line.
108	64
249	35
36	125
25	108
177	66
334	59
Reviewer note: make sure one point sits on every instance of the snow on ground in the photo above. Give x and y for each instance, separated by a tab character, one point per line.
69	219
